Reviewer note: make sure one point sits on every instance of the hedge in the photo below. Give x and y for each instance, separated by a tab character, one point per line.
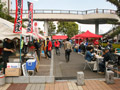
114	45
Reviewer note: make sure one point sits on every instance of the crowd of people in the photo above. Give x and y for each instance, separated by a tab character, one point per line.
83	46
89	50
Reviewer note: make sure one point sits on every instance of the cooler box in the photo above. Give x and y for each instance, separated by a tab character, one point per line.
31	64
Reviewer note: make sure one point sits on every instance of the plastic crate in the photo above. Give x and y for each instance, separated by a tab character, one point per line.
30	64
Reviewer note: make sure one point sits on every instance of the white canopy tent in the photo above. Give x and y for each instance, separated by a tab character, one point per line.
6	30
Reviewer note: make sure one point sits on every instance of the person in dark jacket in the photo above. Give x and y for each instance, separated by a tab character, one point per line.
37	48
107	57
8	49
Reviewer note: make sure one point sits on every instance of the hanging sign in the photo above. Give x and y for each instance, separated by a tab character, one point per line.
30	17
18	17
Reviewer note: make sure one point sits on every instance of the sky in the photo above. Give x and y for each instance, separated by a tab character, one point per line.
72	5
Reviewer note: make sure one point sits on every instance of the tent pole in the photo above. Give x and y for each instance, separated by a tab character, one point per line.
20	48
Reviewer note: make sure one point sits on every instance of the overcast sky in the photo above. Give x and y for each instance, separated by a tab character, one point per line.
72	5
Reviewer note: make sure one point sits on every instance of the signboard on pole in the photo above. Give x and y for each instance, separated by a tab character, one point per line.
18	17
30	17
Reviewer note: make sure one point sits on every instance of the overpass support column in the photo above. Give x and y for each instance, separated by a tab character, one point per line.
46	28
96	28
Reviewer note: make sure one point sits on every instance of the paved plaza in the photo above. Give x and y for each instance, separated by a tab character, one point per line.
65	85
69	70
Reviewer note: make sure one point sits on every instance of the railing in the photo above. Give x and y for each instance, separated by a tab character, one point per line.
92	11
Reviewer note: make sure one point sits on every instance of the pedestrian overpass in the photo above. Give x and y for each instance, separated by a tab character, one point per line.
94	16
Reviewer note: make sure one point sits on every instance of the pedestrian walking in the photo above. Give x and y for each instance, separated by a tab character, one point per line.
68	49
57	45
48	48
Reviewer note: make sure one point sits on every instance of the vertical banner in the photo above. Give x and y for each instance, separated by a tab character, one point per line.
30	17
18	17
36	28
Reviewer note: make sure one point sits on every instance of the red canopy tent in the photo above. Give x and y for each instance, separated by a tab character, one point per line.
88	34
59	37
74	37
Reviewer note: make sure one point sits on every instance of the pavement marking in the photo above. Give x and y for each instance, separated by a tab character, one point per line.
51	67
38	86
74	85
33	87
70	86
42	87
4	87
28	87
80	88
61	62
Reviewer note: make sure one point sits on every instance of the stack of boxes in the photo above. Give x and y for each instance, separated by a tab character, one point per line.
13	69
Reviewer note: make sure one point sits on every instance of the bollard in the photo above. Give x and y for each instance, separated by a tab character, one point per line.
2	79
80	79
109	77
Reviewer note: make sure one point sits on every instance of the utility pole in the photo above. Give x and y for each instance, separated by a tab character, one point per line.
8	6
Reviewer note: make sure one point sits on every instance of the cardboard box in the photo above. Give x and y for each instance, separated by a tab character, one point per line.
13	65
12	72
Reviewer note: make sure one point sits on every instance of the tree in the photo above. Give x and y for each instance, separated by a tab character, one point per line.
4	14
117	4
40	31
69	28
51	28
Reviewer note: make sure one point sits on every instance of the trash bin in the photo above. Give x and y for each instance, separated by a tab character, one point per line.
2	79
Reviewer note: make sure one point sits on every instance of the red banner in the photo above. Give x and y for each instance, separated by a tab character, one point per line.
30	17
18	17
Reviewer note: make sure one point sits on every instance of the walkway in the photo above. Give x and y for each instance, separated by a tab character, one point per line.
86	17
65	85
69	70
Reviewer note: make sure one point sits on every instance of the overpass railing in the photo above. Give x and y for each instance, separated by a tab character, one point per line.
92	11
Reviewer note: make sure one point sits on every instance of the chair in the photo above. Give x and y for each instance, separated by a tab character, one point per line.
87	63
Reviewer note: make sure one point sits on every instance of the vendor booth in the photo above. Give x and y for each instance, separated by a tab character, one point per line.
19	62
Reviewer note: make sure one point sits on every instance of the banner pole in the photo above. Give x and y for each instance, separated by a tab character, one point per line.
20	48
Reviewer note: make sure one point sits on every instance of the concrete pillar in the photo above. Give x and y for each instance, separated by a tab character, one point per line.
97	28
109	77
45	28
80	79
2	79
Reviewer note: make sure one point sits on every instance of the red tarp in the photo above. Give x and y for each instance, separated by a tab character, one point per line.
88	34
74	37
59	37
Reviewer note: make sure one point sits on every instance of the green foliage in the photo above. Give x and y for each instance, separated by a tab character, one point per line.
40	31
69	28
51	28
116	32
114	45
4	14
115	2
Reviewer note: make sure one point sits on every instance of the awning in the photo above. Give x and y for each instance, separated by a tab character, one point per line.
88	34
59	37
